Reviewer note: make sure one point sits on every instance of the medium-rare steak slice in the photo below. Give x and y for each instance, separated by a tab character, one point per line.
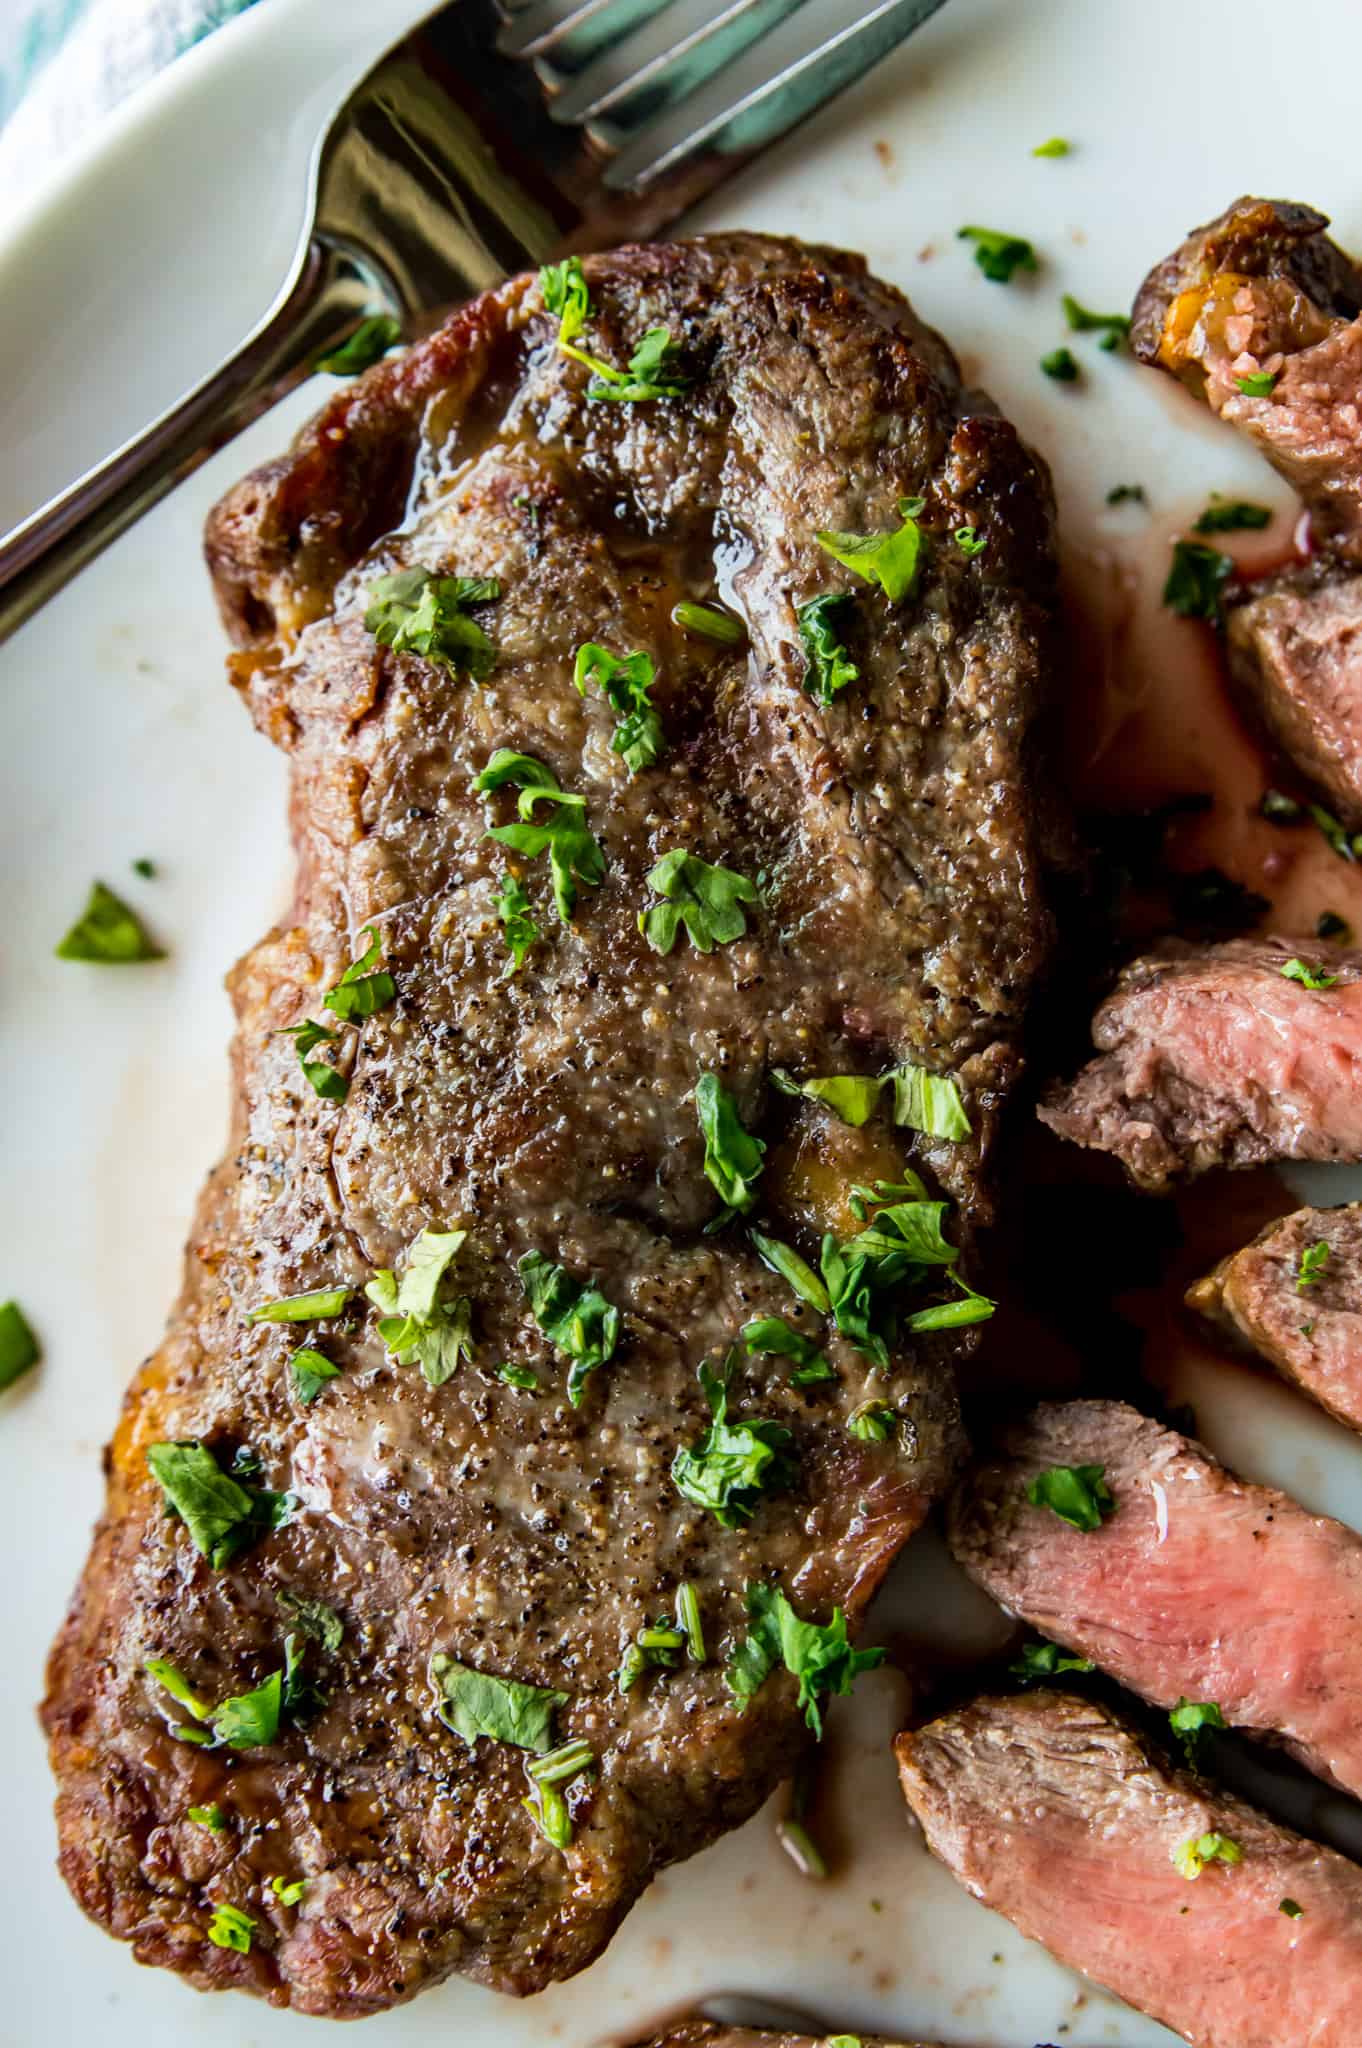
559	1042
1050	1810
1294	1295
714	2034
1257	313
1221	1056
1195	1585
1261	298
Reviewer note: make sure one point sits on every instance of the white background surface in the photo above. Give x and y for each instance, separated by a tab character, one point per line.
121	284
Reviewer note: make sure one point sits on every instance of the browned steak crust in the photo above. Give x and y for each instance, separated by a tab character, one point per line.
714	2034
900	919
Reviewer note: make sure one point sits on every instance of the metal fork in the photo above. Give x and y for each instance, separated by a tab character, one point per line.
499	134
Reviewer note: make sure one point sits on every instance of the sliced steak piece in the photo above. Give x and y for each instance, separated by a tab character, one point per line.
552	1111
1216	1056
1262	291
1196	1586
714	2034
1295	1297
1052	1811
1294	643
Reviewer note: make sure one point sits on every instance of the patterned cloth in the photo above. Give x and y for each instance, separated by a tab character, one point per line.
64	63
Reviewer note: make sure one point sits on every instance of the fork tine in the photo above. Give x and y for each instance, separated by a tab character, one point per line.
666	60
541	28
784	79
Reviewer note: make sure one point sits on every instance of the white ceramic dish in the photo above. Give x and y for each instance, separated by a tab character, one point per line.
128	277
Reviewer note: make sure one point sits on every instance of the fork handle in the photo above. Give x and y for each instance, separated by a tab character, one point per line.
322	298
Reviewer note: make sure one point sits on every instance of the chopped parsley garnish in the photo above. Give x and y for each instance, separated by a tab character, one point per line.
521	1376
969	540
1192	1856
1280	809
688	1618
732	1464
313	1617
1307	976
829	668
1056	146
1196	579
861	1199
223	1517
707	900
624	680
288	1893
310	1370
929	1102
574	855
250	1720
658	1644
1190	1721
889	559
1114	326
784	1259
546	1805
652	371
733	1157
1233	515
901	1245
1291	1909
211	1817
1310	1266
416	612
1345	844
1127	494
1258	383
709	622
19	1349
852	1097
1329	925
818	1655
108	933
576	1318
246	1720
773	1335
520	930
474	1703
874	1422
1062	365
999	255
415	1323
1046	1660
321	1076
368	344
809	1860
1078	1494
360	992
231	1928
303	1308
145	868
969	1307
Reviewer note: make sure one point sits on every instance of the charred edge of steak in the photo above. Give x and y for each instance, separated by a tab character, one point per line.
1268	238
700	2033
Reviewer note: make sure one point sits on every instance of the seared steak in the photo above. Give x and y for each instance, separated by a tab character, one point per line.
1050	1810
1262	295
876	903
1295	1297
1196	1585
1221	1056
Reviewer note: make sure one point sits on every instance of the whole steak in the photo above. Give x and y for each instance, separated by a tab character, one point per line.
412	1546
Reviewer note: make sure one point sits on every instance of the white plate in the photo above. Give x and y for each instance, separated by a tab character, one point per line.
124	280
